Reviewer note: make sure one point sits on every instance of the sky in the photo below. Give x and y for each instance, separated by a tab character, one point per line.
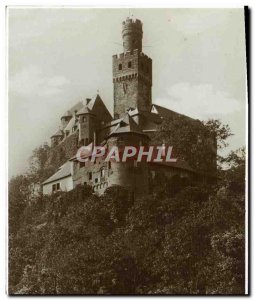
59	56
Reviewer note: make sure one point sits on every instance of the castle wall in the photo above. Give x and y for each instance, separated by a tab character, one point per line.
63	151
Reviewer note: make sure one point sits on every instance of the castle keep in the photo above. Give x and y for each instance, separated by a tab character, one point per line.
134	122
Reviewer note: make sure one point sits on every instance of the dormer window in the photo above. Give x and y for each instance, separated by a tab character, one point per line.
120	67
129	64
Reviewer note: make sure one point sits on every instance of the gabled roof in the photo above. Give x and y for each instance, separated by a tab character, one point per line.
167	113
126	125
70	124
148	115
64	171
58	133
97	107
67	114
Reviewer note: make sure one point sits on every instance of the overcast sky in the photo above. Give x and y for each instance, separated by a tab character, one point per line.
60	56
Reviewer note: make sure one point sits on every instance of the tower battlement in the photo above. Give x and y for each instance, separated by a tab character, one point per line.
130	54
132	71
132	35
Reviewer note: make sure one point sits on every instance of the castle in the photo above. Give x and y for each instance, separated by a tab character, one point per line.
135	120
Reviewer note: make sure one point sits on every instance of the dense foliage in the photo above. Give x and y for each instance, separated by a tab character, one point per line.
184	238
194	141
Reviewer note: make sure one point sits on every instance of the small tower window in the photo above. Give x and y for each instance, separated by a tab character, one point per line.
102	172
120	67
129	64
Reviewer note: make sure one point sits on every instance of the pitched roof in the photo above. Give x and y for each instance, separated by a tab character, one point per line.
167	113
67	114
126	125
76	107
84	110
64	171
95	103
58	133
70	124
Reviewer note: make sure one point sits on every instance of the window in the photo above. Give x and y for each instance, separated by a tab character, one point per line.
129	64
125	86
96	180
83	119
102	172
120	67
82	164
109	165
142	66
90	176
56	187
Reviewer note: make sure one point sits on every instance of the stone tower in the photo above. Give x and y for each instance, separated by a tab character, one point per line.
132	71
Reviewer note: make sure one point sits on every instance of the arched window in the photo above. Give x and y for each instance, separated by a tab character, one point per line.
120	67
129	64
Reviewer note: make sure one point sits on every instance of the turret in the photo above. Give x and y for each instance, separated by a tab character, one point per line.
86	126
66	118
132	35
132	71
56	138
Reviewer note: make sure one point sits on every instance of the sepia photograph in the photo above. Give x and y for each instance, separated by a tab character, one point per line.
127	151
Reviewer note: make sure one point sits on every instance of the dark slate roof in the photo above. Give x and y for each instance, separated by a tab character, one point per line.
126	125
63	171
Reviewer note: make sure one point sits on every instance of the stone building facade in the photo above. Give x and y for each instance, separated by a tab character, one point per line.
134	122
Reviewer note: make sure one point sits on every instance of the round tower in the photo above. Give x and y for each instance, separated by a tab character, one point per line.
132	35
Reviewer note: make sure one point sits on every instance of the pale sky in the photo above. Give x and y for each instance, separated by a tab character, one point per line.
60	56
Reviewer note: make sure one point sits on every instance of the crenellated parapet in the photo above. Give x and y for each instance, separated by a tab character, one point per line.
132	35
132	64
